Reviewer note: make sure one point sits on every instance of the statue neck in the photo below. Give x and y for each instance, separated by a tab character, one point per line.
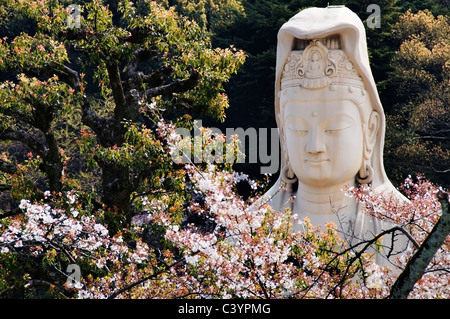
322	200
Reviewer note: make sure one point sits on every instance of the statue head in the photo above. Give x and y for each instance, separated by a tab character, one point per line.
330	118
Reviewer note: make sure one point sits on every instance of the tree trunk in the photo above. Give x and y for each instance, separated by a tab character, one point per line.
419	262
52	164
117	188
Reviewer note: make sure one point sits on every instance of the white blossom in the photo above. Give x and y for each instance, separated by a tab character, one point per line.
24	203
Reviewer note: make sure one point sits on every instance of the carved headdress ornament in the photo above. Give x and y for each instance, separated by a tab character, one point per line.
319	63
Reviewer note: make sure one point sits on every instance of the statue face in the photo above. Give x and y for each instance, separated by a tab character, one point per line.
324	140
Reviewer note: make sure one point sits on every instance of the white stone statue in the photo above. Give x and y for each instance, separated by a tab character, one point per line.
331	122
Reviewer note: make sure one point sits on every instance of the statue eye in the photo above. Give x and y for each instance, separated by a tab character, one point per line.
299	131
336	131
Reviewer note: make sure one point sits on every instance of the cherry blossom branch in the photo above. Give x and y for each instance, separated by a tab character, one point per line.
358	254
258	278
140	281
57	246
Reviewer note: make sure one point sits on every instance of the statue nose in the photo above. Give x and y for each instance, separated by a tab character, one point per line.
315	143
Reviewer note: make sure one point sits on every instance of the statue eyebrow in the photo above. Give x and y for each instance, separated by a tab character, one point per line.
296	120
341	116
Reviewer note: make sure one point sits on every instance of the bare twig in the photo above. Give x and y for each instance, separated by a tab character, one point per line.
136	283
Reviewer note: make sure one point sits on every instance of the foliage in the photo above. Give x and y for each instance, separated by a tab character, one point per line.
437	7
213	16
119	70
419	123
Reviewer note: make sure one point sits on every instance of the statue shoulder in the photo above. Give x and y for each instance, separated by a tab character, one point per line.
387	189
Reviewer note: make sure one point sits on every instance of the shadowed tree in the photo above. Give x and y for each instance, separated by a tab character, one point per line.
118	66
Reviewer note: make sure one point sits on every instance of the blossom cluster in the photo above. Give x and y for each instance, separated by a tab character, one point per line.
71	234
418	215
248	250
254	253
43	225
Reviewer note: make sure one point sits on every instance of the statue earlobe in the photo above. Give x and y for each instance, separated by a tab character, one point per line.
288	176
365	174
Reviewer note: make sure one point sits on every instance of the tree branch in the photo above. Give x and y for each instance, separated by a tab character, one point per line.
177	86
139	55
64	73
115	81
26	138
156	78
7	167
440	171
366	244
142	54
70	77
134	284
100	125
419	262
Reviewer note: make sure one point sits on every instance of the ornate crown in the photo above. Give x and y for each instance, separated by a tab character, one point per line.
315	64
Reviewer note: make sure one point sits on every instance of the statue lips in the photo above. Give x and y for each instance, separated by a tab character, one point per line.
316	161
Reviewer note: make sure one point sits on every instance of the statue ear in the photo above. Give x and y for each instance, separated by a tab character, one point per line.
372	130
365	174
